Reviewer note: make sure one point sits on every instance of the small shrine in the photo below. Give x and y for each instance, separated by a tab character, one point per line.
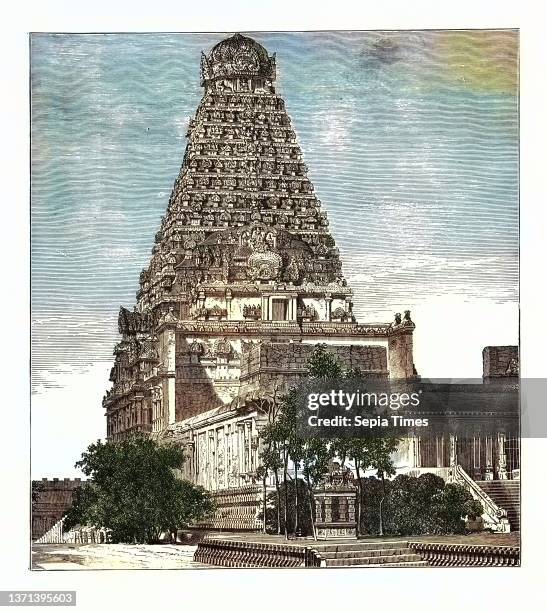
335	504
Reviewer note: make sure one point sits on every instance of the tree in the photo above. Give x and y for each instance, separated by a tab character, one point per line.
381	453
416	506
449	508
133	490
316	454
323	365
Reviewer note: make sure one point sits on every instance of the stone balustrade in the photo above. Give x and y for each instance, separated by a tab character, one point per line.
464	555
227	553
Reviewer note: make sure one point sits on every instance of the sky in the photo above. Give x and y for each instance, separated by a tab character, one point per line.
411	139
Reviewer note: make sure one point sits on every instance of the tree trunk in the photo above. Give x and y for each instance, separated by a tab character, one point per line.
295	498
360	500
311	500
264	504
286	495
382	502
278	496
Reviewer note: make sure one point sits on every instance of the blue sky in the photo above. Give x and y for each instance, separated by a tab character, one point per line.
411	139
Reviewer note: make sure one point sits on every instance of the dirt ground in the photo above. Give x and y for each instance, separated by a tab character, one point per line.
180	556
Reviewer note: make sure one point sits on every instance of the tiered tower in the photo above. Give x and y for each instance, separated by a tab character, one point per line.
244	279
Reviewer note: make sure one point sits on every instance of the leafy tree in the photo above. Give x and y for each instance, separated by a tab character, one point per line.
323	365
133	490
450	506
380	457
304	517
416	506
316	455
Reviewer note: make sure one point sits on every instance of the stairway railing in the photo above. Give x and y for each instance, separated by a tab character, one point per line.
54	535
493	516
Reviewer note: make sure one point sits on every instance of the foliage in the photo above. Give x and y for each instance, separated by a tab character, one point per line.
304	521
134	491
323	365
416	506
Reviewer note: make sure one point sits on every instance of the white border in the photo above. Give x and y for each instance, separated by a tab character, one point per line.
263	590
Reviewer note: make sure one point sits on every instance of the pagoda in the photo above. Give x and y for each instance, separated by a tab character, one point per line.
244	280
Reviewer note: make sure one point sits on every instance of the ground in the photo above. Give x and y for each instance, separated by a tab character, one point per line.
180	556
113	556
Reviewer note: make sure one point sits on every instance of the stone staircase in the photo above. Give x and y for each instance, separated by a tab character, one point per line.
506	495
365	554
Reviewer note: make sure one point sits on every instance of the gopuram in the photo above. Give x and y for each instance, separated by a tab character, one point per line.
244	280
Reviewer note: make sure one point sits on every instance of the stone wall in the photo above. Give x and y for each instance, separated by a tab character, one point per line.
401	361
237	509
500	362
53	499
280	365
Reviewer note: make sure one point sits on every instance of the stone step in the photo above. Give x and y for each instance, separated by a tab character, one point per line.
380	552
358	546
366	561
406	564
500	487
506	495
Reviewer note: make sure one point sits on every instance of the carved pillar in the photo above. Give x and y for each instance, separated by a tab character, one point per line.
248	447
343	508
351	508
476	457
328	306
318	510
201	299
227	451
229	303
139	404
502	458
292	309
328	509
211	460
453	450
489	451
240	450
168	342
439	446
417	452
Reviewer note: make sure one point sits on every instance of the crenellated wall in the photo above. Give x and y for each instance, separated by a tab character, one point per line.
52	499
